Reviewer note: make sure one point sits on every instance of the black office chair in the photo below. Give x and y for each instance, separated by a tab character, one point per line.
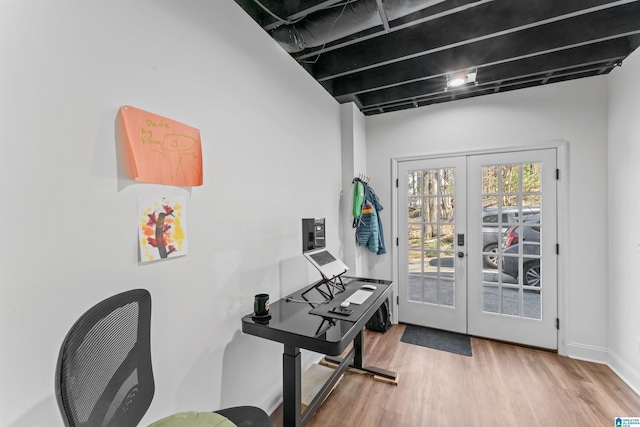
104	375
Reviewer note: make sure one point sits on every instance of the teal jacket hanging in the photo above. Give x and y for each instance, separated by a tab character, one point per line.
369	229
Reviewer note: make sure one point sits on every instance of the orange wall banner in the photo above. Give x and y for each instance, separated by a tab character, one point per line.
162	151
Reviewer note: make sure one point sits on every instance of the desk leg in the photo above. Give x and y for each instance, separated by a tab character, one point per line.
358	361
358	344
291	387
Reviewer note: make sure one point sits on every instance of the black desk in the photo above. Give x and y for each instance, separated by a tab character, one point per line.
292	324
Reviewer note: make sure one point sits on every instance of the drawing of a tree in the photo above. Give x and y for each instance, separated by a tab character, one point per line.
161	227
161	230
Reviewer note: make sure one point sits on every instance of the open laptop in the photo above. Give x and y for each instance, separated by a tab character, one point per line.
328	265
313	248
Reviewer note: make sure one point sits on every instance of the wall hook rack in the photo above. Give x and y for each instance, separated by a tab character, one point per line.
362	178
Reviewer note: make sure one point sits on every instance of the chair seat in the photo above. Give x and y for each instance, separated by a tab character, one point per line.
239	416
246	416
194	419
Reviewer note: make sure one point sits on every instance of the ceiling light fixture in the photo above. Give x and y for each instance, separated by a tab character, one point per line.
457	81
461	78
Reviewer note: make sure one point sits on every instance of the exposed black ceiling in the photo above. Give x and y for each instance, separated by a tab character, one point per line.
389	55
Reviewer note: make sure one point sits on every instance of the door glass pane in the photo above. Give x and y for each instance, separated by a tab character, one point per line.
414	183
511	301
414	237
510	200
414	288
430	291
414	209
489	179
531	305
447	204
490	202
490	299
531	271
531	178
430	276
509	179
446	237
531	204
446	182
511	225
431	232
430	182
430	209
446	284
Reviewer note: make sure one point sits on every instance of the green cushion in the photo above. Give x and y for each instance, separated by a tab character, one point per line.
194	419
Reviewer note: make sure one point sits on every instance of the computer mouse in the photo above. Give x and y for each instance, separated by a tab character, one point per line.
372	287
345	304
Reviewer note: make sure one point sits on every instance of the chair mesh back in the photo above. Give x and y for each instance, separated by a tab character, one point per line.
104	376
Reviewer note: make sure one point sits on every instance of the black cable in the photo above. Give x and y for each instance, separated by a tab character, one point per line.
328	36
276	17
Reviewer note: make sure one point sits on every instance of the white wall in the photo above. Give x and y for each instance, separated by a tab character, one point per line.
624	225
574	111
354	164
68	221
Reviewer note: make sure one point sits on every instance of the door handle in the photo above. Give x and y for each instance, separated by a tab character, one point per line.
460	254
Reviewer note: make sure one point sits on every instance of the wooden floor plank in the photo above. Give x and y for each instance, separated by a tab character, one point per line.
500	385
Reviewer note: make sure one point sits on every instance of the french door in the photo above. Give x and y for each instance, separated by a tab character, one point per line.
517	301
433	283
479	253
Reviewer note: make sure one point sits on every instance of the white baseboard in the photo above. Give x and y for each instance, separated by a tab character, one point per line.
588	353
606	357
272	399
625	372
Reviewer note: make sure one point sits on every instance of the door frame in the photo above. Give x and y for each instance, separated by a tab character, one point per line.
562	157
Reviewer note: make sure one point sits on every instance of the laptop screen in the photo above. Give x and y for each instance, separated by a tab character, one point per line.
313	234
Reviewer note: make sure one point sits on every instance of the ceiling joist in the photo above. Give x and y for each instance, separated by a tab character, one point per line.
397	56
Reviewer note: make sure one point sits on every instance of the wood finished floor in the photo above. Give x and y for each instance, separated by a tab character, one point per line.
500	385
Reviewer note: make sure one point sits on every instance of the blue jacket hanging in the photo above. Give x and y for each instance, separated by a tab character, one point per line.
369	230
